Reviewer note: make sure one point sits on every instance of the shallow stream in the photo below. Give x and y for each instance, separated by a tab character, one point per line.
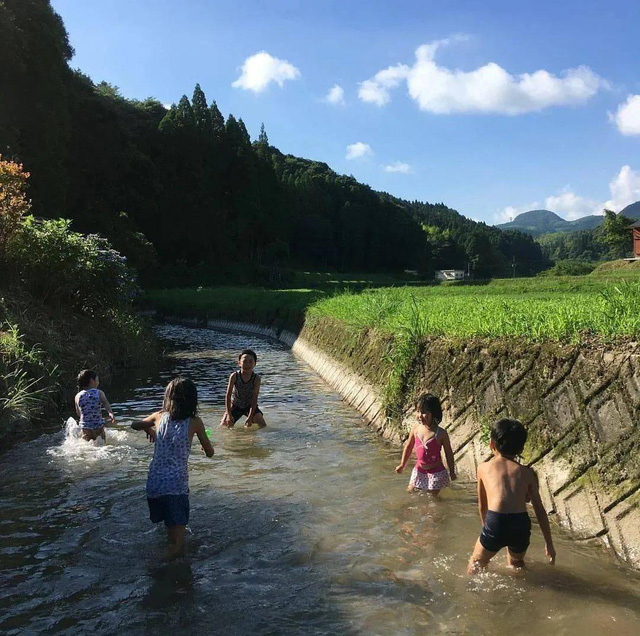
300	528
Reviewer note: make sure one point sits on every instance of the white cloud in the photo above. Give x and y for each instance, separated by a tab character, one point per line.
398	166
168	106
627	117
335	95
624	188
571	206
359	149
259	70
376	90
488	89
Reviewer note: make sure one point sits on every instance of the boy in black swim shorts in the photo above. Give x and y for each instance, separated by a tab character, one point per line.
242	393
504	488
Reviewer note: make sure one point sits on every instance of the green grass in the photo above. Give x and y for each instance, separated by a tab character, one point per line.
536	312
557	308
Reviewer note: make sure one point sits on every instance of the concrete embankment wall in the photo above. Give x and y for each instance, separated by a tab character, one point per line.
581	405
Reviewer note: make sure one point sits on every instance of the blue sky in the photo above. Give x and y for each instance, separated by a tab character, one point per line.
465	120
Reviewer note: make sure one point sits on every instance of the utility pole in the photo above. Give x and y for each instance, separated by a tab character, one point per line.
513	266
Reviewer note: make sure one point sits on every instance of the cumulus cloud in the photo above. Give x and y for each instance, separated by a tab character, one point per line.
358	150
335	95
624	188
488	89
261	69
572	206
398	166
627	117
376	90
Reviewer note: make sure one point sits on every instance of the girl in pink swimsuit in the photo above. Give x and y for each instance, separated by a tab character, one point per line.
428	440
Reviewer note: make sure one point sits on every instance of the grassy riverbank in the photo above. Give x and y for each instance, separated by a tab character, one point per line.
602	305
42	348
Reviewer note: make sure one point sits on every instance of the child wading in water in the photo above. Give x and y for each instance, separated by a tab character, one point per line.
428	439
173	429
89	402
242	393
504	487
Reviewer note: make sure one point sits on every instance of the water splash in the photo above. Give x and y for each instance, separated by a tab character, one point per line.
75	448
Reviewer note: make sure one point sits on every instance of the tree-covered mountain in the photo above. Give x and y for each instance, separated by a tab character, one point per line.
536	222
187	187
632	211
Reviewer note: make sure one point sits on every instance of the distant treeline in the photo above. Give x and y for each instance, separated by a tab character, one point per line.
609	241
186	189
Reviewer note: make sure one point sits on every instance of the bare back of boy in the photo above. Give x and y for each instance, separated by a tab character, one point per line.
504	487
507	484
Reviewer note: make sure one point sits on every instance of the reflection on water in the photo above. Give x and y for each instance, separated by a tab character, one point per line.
301	528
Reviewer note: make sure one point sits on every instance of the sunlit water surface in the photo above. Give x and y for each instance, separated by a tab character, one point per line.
301	528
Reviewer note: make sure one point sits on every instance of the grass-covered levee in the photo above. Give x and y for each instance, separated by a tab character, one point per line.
65	304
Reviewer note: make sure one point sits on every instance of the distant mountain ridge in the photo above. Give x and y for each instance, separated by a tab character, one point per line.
536	222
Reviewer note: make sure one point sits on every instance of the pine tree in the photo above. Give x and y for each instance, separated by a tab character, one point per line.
217	121
201	114
184	114
263	140
246	139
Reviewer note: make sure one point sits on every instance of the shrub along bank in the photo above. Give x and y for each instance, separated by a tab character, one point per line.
65	304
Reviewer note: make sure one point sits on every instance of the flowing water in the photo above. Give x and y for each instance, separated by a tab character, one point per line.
300	528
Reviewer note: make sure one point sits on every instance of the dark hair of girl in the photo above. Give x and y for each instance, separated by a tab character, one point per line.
180	399
429	403
249	352
84	377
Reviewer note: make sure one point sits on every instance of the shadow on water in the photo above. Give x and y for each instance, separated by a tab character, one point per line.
565	582
246	570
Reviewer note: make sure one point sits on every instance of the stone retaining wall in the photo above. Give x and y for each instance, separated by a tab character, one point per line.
581	405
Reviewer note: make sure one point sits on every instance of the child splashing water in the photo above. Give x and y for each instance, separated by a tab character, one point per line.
428	439
89	402
172	428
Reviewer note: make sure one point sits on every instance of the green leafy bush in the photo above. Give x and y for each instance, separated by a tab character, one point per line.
60	266
569	267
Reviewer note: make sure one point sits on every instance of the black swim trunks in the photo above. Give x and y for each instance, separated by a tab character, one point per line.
506	529
237	412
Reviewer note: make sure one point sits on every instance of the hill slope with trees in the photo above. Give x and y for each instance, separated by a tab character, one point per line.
186	189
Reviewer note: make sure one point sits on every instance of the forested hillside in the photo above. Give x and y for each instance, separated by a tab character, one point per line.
186	189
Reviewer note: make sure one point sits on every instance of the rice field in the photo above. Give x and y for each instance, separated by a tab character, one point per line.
562	308
493	312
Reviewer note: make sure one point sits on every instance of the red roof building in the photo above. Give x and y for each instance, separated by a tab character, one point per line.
635	228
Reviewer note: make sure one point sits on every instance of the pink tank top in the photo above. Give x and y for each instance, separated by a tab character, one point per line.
428	453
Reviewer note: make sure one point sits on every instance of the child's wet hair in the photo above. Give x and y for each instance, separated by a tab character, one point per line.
248	352
509	436
84	378
429	403
180	399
